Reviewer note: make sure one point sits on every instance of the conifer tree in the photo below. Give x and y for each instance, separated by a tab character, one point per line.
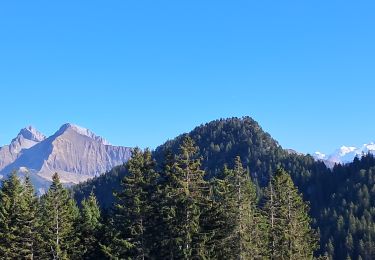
18	222
89	228
165	220
10	212
133	209
290	233
185	193
29	221
241	232
59	219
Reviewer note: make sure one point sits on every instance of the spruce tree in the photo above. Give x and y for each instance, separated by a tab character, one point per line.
133	209
240	229
290	233
59	219
185	193
90	228
29	221
10	213
18	222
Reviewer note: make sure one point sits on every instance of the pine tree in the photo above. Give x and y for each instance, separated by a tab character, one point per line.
185	193
59	219
290	233
89	228
132	220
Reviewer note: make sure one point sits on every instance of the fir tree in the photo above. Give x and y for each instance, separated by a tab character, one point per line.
59	218
18	222
89	228
133	209
241	232
185	193
11	206
290	233
29	221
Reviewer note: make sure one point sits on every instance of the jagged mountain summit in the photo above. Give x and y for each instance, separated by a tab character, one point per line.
76	153
25	139
345	154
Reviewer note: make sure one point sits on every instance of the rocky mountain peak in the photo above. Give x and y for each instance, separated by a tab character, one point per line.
30	133
75	152
82	131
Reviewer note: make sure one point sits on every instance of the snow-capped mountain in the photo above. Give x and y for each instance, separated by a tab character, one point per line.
76	153
345	154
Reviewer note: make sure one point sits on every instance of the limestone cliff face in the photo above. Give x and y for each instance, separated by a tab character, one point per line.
74	152
26	138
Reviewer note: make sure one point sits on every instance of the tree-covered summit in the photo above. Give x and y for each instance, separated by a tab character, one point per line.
218	143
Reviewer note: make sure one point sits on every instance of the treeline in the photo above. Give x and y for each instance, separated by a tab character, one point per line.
219	142
347	223
50	227
342	200
164	210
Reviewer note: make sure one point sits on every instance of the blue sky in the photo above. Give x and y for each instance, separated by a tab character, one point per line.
141	72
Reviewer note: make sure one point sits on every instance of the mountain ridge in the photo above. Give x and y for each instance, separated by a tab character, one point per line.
76	153
219	142
345	154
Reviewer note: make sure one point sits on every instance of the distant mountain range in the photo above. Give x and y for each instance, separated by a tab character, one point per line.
76	153
345	154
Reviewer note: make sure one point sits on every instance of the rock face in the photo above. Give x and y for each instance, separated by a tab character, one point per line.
27	138
74	152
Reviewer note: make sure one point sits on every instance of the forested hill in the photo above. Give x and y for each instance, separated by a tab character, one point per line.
219	142
347	224
342	201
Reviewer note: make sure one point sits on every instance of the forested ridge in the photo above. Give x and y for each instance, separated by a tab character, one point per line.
218	143
226	190
166	211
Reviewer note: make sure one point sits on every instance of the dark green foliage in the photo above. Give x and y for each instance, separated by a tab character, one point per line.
184	193
131	220
290	234
59	219
218	143
90	228
347	224
102	187
178	202
18	220
240	231
194	219
31	223
49	227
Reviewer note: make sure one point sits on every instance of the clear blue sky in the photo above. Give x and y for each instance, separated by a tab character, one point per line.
141	72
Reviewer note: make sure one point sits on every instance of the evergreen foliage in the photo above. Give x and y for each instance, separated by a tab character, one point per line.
290	233
218	143
188	200
240	228
17	219
185	194
347	223
90	228
131	220
59	217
